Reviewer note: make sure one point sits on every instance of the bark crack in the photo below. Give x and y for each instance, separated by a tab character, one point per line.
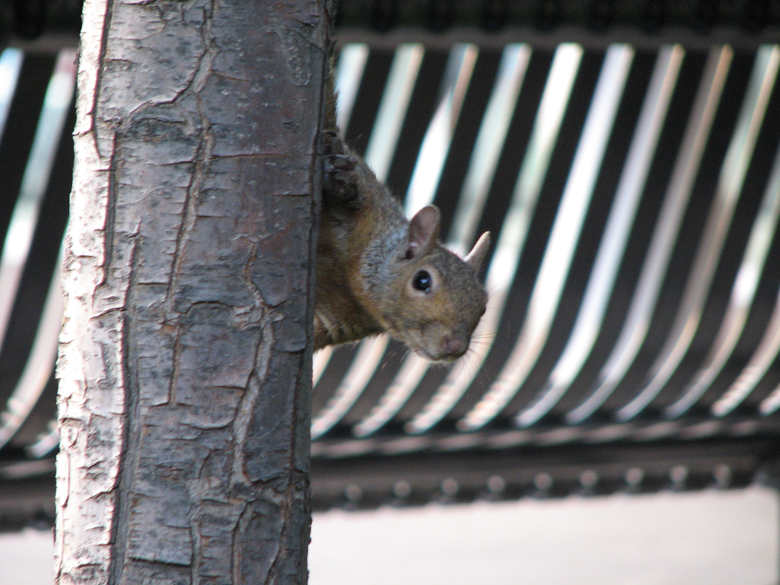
246	409
202	155
92	113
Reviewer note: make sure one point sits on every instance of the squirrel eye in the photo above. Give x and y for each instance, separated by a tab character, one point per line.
422	281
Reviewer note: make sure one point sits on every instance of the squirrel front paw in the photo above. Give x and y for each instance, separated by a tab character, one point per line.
340	180
333	144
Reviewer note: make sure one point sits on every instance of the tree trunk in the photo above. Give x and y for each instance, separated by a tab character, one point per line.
185	359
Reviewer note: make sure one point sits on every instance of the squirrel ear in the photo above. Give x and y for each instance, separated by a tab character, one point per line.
478	252
423	230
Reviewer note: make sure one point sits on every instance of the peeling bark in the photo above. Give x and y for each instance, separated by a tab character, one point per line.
185	357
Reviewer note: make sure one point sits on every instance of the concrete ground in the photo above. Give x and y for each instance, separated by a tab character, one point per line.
706	538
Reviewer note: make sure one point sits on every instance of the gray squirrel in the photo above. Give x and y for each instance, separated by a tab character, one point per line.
378	272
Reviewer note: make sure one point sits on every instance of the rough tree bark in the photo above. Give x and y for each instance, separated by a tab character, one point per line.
185	360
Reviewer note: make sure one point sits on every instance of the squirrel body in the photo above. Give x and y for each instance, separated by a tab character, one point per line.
378	272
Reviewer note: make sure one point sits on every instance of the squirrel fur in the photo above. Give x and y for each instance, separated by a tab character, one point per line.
379	272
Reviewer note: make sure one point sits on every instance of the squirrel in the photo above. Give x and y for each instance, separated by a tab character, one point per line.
378	272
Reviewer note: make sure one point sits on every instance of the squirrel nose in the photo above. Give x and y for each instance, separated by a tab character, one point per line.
455	345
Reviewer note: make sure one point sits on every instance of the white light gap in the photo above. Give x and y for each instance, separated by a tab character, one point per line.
40	362
678	193
319	363
512	237
10	67
767	350
45	443
488	146
36	176
727	193
436	143
771	403
618	227
563	238
745	282
349	73
393	108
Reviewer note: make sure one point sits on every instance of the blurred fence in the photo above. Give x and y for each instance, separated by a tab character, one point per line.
632	186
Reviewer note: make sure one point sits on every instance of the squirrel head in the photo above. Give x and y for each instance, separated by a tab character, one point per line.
436	298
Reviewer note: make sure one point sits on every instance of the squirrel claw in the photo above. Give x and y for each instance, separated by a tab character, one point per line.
339	178
340	163
333	143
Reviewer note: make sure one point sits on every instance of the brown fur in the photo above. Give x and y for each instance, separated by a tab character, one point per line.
368	257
